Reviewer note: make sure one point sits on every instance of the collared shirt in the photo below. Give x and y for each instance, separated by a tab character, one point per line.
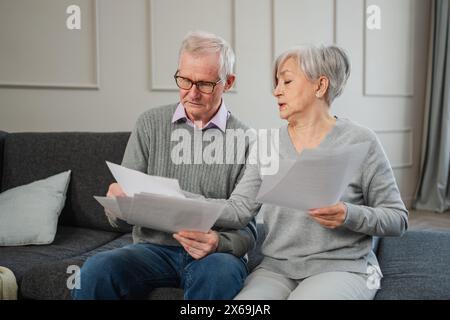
219	120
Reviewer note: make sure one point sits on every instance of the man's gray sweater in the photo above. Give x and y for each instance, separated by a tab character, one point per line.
162	148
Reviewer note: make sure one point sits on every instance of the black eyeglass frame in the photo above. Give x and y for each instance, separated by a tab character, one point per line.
213	84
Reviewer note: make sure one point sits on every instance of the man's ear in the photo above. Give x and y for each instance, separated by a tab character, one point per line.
230	81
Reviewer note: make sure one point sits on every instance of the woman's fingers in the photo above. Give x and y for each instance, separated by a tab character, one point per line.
331	216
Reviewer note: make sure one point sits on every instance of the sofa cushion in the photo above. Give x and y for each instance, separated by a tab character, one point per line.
33	156
49	280
69	242
29	214
166	294
415	266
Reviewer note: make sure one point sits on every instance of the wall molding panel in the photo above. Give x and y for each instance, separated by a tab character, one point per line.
163	62
50	56
321	15
388	53
398	145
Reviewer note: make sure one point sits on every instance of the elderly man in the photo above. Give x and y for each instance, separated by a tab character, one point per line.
209	265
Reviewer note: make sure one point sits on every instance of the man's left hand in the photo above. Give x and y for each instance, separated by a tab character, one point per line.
198	244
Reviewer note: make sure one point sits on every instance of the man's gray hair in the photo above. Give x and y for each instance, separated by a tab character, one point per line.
329	61
200	42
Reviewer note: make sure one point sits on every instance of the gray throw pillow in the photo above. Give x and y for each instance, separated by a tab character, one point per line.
29	213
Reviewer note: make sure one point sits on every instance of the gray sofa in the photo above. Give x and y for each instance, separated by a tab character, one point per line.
415	266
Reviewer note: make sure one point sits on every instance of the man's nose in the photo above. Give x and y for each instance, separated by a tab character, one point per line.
194	92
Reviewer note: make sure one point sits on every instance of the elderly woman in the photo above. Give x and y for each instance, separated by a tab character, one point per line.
325	253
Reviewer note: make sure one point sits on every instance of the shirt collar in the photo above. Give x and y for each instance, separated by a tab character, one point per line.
219	120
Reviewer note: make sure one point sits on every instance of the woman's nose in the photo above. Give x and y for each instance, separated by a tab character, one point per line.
276	91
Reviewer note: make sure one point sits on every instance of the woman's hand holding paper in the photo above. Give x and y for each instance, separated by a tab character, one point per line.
331	216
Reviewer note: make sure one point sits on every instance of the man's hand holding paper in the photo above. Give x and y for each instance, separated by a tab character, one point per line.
198	244
156	203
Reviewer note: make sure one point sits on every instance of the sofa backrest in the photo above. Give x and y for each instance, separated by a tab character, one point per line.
33	156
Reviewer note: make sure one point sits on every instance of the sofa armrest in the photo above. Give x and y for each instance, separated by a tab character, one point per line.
3	134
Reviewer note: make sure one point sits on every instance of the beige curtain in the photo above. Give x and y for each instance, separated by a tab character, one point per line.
433	192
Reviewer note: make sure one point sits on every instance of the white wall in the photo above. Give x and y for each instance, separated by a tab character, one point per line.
120	63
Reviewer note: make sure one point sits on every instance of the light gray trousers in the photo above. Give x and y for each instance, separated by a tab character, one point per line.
263	284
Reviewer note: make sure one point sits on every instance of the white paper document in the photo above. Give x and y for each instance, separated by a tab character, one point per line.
318	178
158	203
133	182
111	205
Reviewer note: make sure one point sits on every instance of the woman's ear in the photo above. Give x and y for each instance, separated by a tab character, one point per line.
230	81
322	86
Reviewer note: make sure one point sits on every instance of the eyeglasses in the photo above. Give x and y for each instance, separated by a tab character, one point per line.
202	86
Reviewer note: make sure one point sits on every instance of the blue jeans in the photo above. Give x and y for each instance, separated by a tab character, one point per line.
133	271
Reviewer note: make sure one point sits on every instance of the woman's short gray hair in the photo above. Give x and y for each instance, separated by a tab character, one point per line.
200	42
329	61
